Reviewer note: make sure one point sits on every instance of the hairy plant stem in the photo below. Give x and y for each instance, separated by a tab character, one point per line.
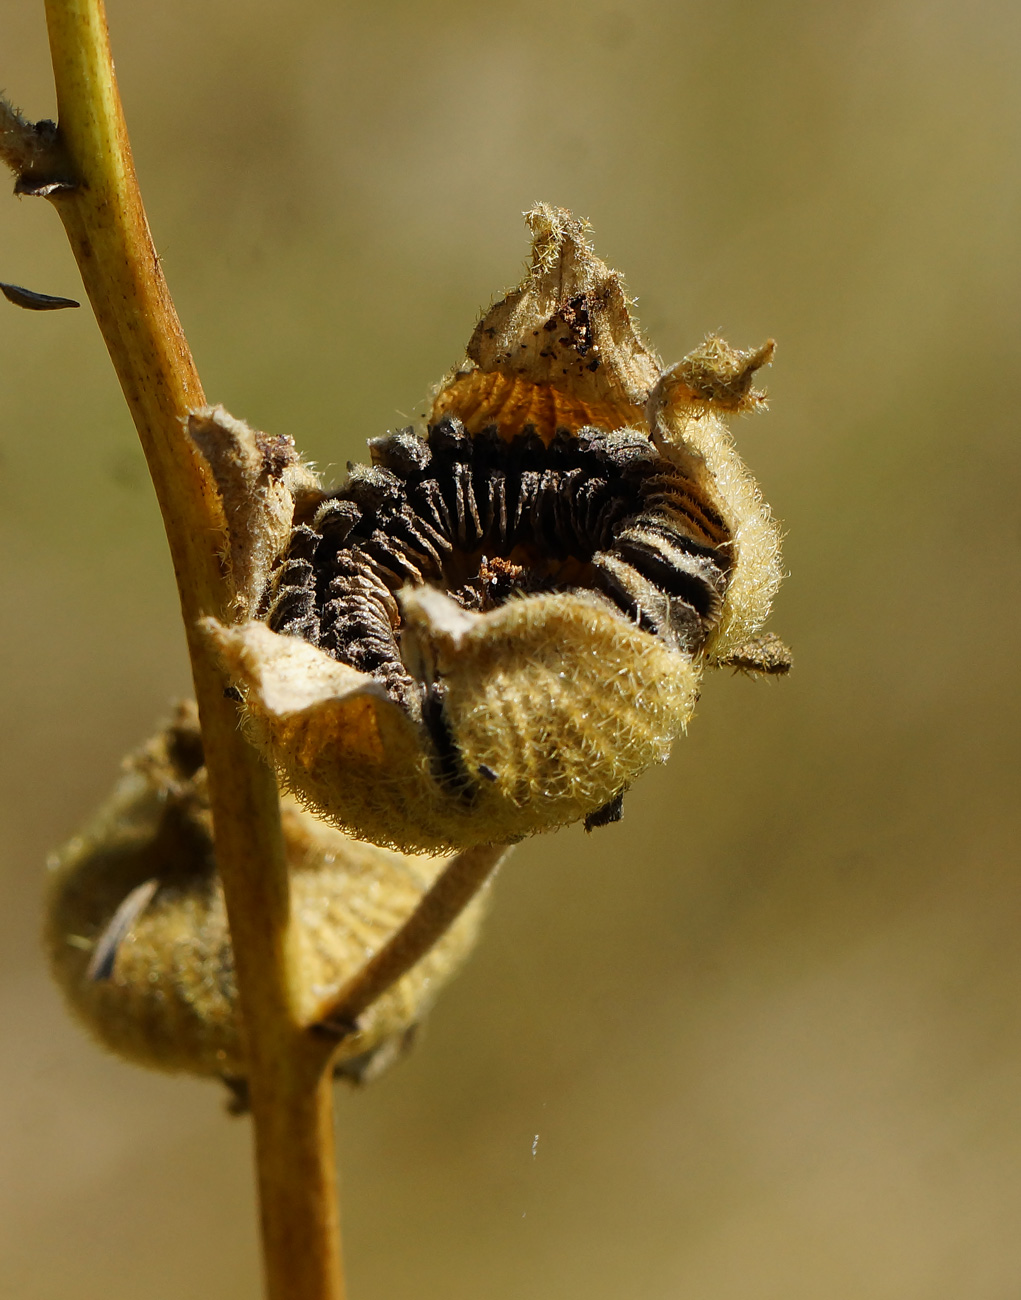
102	212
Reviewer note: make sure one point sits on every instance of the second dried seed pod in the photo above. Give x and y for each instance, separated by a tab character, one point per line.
137	931
495	627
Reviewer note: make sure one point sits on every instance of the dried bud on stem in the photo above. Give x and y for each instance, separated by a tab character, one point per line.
138	936
33	151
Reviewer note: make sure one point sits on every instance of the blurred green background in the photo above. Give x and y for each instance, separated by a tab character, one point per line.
768	1029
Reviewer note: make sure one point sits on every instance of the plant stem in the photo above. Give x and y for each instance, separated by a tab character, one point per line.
288	1077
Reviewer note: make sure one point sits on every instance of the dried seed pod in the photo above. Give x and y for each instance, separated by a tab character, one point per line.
138	938
495	627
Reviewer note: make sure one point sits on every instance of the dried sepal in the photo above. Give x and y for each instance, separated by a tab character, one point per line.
689	428
259	478
337	740
550	700
551	708
138	937
717	375
559	352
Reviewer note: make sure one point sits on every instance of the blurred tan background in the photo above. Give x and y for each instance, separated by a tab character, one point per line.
768	1029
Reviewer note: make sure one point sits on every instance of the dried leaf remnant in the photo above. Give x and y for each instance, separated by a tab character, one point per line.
32	300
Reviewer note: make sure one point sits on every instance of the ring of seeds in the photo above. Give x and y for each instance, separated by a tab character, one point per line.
490	519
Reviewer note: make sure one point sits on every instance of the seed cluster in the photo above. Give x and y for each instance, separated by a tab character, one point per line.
488	519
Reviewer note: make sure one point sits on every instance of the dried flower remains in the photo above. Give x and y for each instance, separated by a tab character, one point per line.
499	623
